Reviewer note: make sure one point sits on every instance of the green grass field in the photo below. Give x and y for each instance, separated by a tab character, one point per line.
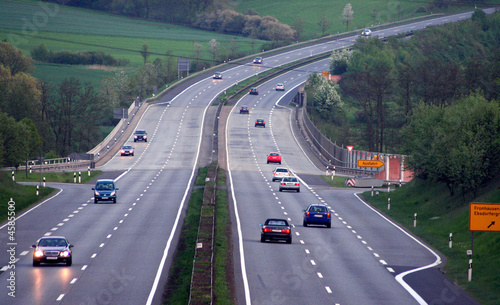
311	11
27	24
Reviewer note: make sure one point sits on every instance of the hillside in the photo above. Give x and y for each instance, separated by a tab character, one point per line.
438	215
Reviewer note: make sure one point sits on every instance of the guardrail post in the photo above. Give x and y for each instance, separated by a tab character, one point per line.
31	170
74	177
37	190
13	176
372	190
88	171
388	187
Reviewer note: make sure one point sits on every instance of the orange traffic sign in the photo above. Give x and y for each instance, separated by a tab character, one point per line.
370	163
484	217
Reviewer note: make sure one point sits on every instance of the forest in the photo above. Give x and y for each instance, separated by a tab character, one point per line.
434	97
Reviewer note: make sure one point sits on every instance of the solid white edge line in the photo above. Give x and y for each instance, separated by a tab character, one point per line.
36	206
179	211
238	222
399	277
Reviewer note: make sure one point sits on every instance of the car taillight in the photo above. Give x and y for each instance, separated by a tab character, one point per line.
308	213
283	183
297	184
328	215
267	230
286	231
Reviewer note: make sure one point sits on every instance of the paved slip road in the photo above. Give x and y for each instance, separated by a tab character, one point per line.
122	250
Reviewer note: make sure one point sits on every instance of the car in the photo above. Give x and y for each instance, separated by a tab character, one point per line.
290	184
253	91
52	250
280	172
217	75
258	60
244	109
127	150
276	229
280	87
260	122
140	135
105	190
366	32
274	157
317	214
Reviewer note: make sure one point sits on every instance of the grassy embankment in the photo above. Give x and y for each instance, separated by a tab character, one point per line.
438	215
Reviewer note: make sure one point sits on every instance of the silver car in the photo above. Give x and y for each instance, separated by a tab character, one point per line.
280	172
290	183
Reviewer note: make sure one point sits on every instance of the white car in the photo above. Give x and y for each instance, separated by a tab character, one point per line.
280	87
280	172
366	32
258	60
290	183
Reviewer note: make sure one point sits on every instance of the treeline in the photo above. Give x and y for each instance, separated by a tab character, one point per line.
41	53
433	97
38	119
212	15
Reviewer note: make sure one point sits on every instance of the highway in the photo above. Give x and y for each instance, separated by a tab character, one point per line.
122	251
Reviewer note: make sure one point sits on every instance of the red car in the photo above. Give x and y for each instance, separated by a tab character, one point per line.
274	157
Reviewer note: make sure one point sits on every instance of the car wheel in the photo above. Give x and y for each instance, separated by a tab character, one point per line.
95	200
262	239
289	241
328	225
36	263
298	191
114	200
135	140
279	162
132	155
304	224
281	190
145	140
69	262
267	162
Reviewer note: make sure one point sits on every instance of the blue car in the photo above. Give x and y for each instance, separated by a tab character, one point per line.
105	190
317	214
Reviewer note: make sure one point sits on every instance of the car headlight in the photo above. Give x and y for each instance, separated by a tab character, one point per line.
96	193
64	253
112	193
38	253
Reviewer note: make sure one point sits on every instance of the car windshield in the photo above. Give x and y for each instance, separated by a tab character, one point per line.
289	179
104	186
277	223
274	154
127	147
52	242
317	209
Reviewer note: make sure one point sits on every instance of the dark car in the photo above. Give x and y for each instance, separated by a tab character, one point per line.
317	214
244	109
253	91
127	150
260	122
258	60
105	190
52	250
140	135
276	229
217	75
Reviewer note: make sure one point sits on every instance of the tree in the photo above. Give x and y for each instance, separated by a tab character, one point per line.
298	27
214	47
324	24
13	58
457	144
347	15
145	52
339	61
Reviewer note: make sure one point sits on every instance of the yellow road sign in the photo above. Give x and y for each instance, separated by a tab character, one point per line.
370	163
484	217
